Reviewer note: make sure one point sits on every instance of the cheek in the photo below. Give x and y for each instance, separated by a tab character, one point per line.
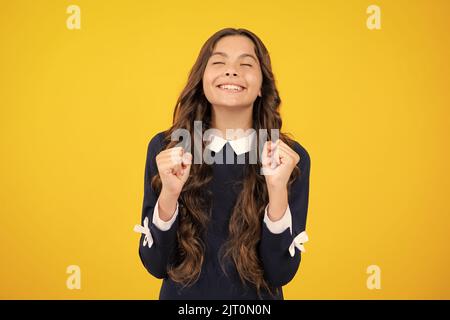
254	81
208	78
208	84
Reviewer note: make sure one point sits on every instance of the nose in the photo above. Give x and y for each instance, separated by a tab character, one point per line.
231	70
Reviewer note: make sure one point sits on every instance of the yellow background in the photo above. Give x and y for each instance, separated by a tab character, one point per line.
78	108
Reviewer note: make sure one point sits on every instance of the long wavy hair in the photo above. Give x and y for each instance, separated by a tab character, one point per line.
195	206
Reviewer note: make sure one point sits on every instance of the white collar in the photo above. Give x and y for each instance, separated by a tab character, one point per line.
240	145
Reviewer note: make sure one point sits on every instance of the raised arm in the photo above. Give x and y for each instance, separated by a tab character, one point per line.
283	227
160	210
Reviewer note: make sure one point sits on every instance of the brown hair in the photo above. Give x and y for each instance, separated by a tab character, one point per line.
246	220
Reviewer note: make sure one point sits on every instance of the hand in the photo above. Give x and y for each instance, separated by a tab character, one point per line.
278	162
174	165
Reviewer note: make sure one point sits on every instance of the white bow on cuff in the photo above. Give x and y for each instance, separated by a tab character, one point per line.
298	242
145	230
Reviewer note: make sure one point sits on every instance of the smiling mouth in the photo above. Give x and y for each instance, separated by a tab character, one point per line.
231	88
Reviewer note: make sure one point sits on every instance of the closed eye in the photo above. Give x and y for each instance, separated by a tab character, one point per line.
217	62
246	64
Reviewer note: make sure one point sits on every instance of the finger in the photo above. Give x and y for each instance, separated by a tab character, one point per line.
186	159
187	168
171	161
288	158
265	160
274	144
170	166
285	157
166	168
270	156
178	170
169	152
293	154
183	166
176	155
288	149
275	154
174	158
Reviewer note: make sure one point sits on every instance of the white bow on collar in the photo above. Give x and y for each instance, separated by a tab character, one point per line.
145	230
298	242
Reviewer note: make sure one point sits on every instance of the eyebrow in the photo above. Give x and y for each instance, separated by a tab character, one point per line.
241	56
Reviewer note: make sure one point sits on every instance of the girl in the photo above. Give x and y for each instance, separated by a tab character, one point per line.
223	230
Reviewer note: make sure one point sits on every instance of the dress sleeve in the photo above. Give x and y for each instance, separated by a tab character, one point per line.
157	244
280	251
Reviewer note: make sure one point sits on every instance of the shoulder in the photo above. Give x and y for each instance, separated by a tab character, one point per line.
156	143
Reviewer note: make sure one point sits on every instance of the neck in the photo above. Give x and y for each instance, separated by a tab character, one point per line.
223	118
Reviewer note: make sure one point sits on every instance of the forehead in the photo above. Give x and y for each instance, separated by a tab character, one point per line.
235	45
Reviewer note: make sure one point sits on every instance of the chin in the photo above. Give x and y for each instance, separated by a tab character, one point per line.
231	104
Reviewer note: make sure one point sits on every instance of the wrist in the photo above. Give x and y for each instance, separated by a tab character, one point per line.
278	201
276	188
169	195
167	203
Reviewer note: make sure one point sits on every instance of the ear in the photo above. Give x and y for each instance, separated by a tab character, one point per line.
259	94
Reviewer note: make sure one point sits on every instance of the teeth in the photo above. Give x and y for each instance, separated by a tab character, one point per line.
231	87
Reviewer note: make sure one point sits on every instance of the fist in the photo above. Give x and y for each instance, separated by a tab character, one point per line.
278	162
174	165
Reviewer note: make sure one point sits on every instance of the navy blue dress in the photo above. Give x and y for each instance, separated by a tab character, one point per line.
279	266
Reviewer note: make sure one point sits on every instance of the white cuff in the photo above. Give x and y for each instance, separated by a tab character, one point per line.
280	225
161	224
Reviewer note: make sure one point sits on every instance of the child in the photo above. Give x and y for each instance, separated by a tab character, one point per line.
227	228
